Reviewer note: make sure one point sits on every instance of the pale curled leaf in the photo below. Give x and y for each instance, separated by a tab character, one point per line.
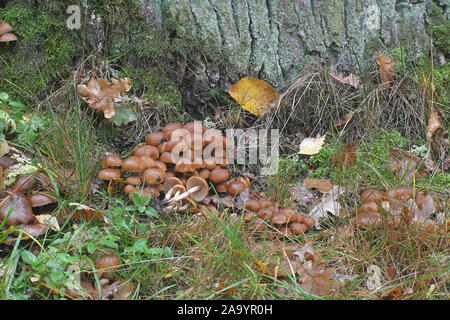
351	79
434	125
310	146
327	205
48	219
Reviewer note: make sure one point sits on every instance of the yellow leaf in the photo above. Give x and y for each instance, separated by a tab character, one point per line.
311	146
253	95
48	219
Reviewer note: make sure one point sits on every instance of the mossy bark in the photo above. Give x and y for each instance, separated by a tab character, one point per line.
206	45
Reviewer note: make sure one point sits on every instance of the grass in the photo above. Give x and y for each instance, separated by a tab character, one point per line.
214	254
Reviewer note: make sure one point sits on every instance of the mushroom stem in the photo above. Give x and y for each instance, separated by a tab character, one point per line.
185	194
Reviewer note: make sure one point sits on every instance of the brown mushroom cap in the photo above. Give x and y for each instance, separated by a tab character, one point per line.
252	205
218	175
264	203
200	194
134	180
129	188
149	162
7	37
290	213
367	219
133	164
235	187
147	150
204	173
184	166
106	263
368	206
22	212
41	199
154	138
5	27
161	165
309	221
268	212
153	176
35	229
166	157
111	161
279	218
371	195
109	174
297	228
171	127
221	187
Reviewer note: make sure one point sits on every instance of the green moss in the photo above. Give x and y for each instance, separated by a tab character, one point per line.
441	36
44	50
370	155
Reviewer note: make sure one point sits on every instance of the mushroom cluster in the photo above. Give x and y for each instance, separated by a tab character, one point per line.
284	221
179	160
399	205
26	201
5	35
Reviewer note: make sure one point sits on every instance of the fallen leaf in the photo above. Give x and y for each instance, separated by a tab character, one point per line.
434	125
85	213
322	185
351	79
310	146
4	148
428	207
346	119
387	69
328	204
48	219
317	280
403	162
345	157
301	195
253	95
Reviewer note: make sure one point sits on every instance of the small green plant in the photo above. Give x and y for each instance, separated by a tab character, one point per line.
16	123
140	205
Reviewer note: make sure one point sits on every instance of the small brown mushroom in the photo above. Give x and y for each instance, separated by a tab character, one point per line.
105	263
309	221
22	212
153	176
5	27
198	184
235	187
8	37
41	199
133	164
368	206
129	188
279	218
171	126
147	150
290	214
149	162
111	160
109	174
218	175
297	228
134	180
154	138
252	205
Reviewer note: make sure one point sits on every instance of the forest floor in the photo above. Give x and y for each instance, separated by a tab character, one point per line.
376	187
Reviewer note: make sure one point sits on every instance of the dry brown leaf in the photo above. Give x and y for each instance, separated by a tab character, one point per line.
351	79
317	280
301	195
48	219
100	95
434	125
346	157
322	185
346	119
310	146
387	69
403	162
253	95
